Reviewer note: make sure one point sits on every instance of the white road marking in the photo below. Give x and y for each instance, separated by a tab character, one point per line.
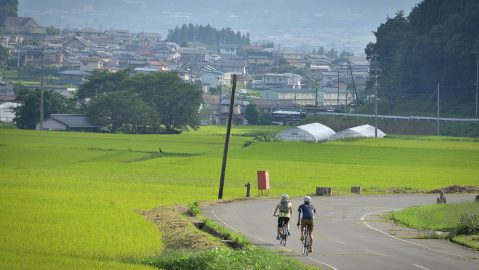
337	241
403	240
421	267
375	252
236	230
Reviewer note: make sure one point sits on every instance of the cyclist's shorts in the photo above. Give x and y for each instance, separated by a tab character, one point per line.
307	223
281	220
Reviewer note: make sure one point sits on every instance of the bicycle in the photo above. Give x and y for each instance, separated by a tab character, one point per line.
283	233
306	241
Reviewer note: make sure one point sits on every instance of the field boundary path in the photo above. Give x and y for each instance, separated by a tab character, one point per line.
350	233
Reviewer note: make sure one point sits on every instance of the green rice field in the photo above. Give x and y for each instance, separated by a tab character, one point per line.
69	200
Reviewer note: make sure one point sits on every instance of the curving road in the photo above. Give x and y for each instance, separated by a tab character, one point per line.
350	233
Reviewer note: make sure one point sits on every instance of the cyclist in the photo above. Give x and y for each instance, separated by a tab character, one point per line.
285	212
305	218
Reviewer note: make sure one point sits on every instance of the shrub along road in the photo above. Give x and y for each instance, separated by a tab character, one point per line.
350	233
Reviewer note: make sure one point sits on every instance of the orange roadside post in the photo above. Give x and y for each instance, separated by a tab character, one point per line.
263	182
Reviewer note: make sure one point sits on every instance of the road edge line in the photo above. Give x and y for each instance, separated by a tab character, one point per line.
403	240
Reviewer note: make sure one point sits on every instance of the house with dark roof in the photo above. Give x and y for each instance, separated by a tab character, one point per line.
68	122
23	25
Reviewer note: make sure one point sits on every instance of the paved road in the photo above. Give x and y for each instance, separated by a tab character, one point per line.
350	233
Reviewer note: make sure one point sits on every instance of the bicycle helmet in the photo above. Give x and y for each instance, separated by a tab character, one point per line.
284	197
307	199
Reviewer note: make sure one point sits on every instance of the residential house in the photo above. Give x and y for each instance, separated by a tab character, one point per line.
295	97
234	66
332	99
228	49
194	55
227	79
89	64
168	51
6	91
78	43
239	109
282	80
68	122
23	25
32	56
293	58
259	57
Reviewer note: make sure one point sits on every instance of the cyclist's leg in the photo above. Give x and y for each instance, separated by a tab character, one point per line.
303	225
310	229
286	221
278	228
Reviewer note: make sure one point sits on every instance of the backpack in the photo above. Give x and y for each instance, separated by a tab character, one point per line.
283	206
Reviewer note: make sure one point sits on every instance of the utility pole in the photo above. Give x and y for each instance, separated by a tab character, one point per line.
376	108
477	81
227	140
41	91
337	99
438	87
346	93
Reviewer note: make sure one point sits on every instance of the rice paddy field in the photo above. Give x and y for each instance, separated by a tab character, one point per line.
69	200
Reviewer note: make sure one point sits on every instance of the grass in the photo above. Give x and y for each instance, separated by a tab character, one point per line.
71	199
444	217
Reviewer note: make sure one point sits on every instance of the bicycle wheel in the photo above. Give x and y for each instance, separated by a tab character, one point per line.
306	242
284	234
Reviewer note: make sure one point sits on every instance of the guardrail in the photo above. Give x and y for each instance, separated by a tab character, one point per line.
397	117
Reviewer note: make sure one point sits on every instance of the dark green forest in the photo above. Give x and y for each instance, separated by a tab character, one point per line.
207	35
436	45
7	8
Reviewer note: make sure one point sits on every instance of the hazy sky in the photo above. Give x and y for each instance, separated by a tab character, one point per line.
329	23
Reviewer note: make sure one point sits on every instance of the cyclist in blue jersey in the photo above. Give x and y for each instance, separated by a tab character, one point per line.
306	213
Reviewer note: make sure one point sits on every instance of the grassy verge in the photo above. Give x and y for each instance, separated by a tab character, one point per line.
460	220
187	247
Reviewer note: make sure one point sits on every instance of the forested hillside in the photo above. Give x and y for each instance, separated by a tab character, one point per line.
207	35
436	44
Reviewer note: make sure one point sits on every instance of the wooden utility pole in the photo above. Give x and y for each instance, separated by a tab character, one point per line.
438	88
477	81
227	140
41	90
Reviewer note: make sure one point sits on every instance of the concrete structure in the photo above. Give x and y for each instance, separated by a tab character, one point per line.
6	111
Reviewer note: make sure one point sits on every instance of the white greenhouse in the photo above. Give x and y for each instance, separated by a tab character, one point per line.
314	132
364	131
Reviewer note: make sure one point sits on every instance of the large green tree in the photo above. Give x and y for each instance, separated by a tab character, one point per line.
28	114
174	102
122	111
433	44
8	8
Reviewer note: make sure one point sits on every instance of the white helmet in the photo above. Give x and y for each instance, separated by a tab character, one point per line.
284	197
307	199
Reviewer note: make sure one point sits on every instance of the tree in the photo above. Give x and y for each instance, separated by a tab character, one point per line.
100	82
122	111
176	102
28	114
252	114
8	8
159	99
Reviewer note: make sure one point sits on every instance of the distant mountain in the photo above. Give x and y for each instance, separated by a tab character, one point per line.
339	24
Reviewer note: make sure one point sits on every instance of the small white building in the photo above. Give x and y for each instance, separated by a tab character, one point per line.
6	111
314	132
364	131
